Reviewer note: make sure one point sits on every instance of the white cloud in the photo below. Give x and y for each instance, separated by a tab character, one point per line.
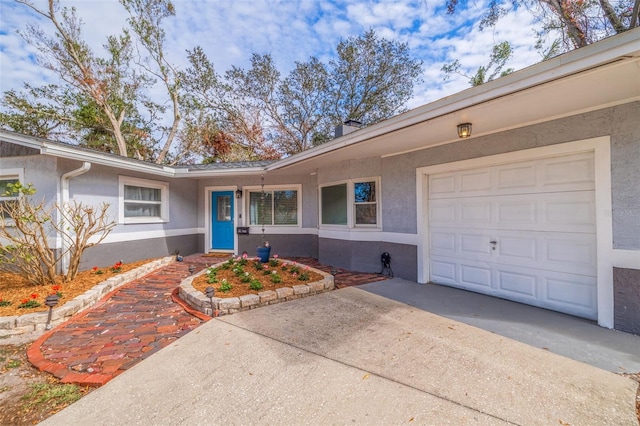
290	30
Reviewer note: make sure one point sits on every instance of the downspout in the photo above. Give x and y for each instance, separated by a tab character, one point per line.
64	184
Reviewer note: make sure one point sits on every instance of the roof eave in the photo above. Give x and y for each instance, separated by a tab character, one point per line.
613	49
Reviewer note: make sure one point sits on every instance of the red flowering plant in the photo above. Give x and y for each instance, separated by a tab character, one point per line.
56	289
4	302
117	267
30	302
97	271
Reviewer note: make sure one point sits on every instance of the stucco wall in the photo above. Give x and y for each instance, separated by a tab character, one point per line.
100	184
37	170
130	251
626	288
620	122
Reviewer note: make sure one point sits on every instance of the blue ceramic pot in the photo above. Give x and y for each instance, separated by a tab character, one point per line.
263	253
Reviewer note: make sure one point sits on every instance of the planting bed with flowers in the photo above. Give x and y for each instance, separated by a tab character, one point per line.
17	297
246	275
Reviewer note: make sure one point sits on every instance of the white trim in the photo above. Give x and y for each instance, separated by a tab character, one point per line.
143	183
10	174
601	146
351	206
629	259
369	235
125	236
283	230
258	188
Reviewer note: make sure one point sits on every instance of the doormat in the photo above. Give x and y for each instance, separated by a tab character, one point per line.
217	254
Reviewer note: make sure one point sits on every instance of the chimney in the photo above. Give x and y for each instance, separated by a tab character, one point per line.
347	127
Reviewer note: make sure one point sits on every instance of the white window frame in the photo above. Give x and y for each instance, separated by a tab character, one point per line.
144	183
246	205
11	174
351	205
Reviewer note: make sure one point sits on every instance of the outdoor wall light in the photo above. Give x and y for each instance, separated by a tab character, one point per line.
238	193
464	130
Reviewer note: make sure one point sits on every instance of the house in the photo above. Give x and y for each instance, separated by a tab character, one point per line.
540	204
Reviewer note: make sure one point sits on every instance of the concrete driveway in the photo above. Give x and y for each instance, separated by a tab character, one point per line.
353	357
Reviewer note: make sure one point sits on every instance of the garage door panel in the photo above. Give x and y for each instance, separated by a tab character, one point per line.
524	231
576	253
571	292
517	247
576	172
472	245
517	212
443	271
563	212
516	283
578	211
474	276
567	173
516	177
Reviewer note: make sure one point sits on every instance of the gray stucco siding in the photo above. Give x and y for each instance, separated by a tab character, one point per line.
620	123
626	288
131	251
296	245
38	170
101	184
364	256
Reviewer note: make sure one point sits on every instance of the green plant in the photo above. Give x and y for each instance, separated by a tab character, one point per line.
225	286
4	302
304	276
255	285
246	278
56	393
273	262
30	303
275	278
258	266
294	269
212	276
117	267
226	265
14	363
238	271
57	290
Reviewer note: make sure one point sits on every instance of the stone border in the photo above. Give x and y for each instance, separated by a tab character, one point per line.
229	305
37	321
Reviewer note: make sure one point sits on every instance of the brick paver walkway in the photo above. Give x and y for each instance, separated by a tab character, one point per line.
131	323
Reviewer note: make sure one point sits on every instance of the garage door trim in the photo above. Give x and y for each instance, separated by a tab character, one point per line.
602	153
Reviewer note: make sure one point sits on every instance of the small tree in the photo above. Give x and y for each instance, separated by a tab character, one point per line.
26	226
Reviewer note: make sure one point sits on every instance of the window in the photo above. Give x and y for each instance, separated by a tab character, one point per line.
278	207
354	203
143	201
334	204
366	207
13	177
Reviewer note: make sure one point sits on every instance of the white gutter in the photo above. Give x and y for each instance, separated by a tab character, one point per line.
64	195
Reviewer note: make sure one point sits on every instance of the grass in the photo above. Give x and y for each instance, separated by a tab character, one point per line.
53	394
14	363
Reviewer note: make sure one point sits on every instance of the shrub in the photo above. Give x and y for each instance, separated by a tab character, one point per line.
32	223
255	285
225	286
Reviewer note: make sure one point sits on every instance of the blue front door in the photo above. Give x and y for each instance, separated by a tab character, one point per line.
222	220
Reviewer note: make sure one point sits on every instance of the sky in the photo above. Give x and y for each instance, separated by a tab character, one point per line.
290	30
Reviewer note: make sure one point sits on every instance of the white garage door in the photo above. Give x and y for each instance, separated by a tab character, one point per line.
522	231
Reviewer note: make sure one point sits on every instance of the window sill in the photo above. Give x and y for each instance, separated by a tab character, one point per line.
143	221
